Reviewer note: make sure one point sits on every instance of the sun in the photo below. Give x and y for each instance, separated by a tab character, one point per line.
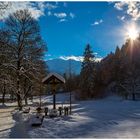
132	33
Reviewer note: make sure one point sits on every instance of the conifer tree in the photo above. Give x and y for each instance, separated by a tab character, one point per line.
117	62
87	75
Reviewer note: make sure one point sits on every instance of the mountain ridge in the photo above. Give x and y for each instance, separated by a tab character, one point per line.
62	66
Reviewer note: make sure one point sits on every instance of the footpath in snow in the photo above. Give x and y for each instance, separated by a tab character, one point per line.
12	123
6	121
20	129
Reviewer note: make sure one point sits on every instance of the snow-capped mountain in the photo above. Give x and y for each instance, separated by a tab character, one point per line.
62	66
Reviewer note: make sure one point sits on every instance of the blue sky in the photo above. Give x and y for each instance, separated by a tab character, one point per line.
68	26
70	37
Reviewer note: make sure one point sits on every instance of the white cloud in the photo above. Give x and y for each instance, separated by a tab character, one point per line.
72	57
122	18
50	6
131	8
37	9
98	59
78	58
119	5
60	15
72	15
62	20
41	5
65	4
97	22
49	13
95	53
64	16
48	55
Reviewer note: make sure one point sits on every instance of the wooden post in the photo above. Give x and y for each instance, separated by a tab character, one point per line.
53	92
70	86
40	96
54	100
70	103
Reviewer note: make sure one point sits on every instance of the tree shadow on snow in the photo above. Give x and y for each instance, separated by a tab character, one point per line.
102	121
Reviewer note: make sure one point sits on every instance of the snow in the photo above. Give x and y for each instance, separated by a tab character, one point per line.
55	75
107	118
20	129
6	121
35	119
111	117
60	98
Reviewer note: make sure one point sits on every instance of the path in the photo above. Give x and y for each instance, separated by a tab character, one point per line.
6	121
12	125
20	129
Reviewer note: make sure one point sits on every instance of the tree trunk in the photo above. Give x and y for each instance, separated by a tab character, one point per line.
133	97
32	98
12	97
126	96
133	92
19	101
70	104
54	100
40	101
26	101
4	92
3	98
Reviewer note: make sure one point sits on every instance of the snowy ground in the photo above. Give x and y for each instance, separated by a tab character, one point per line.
106	118
6	121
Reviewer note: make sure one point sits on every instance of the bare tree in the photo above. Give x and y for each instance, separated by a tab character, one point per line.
3	7
27	49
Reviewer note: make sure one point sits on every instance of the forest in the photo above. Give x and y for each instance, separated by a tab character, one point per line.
118	72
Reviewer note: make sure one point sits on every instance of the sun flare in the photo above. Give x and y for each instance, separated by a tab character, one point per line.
132	33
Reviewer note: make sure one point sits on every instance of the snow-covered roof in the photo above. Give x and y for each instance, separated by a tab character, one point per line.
56	75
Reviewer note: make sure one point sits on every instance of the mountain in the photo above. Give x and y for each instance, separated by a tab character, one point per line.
62	66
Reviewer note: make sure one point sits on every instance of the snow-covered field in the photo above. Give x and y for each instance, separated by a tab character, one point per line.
107	118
